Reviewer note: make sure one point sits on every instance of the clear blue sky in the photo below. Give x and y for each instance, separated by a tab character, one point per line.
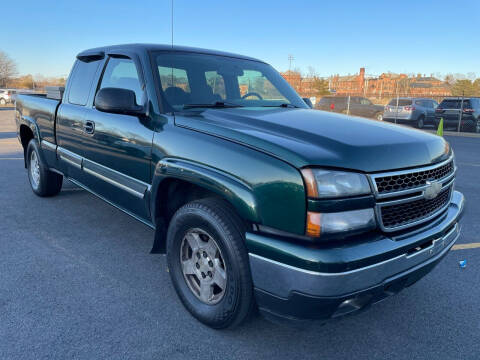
331	36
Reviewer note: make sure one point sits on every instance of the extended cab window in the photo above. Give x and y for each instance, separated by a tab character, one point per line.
122	73
82	79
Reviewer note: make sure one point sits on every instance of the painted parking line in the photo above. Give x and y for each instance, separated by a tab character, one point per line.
468	164
11	158
466	246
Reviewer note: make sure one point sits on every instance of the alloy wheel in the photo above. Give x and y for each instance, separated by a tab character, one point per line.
34	170
203	266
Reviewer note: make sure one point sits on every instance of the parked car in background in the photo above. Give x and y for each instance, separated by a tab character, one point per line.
5	96
449	110
359	106
417	112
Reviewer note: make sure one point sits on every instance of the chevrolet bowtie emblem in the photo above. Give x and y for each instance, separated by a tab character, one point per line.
432	190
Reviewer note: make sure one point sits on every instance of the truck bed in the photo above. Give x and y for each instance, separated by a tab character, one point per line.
40	110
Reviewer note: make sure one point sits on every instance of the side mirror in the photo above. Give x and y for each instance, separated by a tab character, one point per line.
308	102
118	101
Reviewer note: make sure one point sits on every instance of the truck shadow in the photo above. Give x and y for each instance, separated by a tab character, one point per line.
8	135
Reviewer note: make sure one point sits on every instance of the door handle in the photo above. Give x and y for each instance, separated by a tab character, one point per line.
89	127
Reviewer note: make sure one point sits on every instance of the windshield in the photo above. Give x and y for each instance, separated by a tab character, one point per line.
190	80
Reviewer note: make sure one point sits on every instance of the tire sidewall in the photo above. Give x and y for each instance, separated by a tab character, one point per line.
223	311
420	122
33	146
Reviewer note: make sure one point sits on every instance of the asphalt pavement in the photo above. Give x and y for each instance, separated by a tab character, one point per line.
77	282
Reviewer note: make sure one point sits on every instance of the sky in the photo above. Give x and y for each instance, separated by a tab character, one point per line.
333	37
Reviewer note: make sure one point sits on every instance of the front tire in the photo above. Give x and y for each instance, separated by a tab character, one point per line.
2	101
42	181
208	263
379	116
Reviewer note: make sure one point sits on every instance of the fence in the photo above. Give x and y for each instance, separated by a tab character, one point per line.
458	113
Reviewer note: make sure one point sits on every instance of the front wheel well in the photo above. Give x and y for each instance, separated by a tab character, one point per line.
170	196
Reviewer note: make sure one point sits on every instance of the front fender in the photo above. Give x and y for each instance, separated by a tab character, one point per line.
236	192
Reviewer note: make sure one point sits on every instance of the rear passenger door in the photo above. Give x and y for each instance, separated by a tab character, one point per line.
70	123
118	151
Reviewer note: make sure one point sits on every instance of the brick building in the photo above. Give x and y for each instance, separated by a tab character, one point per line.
385	86
388	85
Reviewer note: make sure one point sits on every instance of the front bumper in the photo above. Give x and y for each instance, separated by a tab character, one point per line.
296	290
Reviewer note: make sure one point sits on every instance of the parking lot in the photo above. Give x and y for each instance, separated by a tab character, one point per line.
77	281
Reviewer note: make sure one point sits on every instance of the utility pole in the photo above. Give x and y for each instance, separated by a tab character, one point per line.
461	112
290	59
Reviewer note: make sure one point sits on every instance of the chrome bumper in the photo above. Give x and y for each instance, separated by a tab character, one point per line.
281	280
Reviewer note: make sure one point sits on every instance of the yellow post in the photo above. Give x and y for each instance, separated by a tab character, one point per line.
440	127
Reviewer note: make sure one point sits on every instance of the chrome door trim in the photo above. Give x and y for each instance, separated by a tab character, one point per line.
127	183
48	145
70	157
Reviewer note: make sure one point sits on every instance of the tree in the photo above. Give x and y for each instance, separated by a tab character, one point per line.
8	69
466	88
320	86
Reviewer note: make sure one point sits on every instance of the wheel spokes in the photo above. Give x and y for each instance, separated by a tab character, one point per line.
188	267
211	248
193	240
206	291
220	276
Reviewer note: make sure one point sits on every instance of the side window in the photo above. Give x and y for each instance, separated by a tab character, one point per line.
421	103
122	73
365	102
82	80
216	82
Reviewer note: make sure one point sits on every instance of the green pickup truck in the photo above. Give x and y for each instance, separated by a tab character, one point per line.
257	200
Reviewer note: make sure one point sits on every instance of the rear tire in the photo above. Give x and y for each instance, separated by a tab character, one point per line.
379	116
421	122
2	101
208	263
43	181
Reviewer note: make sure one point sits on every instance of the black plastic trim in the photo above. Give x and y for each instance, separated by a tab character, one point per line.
337	205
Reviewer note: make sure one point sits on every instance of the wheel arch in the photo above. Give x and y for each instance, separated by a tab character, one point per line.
26	132
177	182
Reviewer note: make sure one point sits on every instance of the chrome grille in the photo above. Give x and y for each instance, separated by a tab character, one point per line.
413	211
387	184
400	195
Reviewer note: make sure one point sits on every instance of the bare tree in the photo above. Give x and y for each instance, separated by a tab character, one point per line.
8	69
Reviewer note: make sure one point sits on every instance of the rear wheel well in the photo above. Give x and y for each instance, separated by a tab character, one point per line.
26	134
171	195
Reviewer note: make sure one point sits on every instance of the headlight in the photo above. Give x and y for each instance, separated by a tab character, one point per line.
322	183
330	184
340	222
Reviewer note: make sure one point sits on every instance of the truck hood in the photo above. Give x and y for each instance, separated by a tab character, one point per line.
304	137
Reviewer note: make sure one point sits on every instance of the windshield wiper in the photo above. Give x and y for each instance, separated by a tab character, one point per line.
285	105
217	104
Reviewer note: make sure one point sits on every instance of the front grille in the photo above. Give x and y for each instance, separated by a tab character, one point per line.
414	211
393	183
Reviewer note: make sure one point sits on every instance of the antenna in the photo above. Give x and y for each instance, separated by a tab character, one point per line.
172	24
